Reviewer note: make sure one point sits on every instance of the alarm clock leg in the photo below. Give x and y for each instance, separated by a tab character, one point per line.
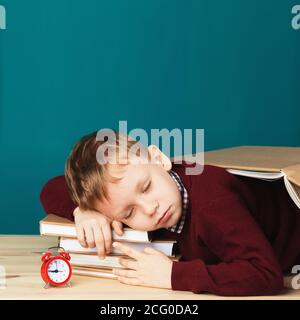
46	286
69	284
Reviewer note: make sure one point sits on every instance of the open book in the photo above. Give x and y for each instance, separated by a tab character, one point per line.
268	163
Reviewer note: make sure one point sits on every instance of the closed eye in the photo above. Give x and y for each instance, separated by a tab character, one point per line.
129	214
147	187
145	190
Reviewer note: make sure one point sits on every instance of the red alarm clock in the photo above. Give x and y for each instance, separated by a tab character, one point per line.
56	269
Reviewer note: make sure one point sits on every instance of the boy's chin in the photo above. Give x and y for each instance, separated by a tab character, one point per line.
152	229
156	228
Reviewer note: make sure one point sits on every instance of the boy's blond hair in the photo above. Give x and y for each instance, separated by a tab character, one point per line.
86	178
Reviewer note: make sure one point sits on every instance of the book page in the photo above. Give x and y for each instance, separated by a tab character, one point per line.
293	190
257	174
293	173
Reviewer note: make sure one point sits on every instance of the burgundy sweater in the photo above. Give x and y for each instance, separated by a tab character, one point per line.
239	236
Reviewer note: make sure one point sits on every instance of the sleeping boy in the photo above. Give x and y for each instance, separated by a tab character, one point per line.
237	235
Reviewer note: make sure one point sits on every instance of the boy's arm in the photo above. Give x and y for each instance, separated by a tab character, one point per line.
249	265
55	198
92	228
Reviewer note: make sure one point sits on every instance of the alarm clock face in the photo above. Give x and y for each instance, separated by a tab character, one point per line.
58	270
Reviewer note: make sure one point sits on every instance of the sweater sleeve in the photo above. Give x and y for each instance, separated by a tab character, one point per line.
248	264
55	198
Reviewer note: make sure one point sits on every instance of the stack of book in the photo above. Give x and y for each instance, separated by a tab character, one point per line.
85	261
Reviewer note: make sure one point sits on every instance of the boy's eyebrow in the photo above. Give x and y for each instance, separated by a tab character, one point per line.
121	215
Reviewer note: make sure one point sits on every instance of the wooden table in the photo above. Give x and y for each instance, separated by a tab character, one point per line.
20	257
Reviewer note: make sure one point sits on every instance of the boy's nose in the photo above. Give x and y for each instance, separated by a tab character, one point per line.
151	209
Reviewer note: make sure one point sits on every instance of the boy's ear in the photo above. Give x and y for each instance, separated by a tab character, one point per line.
157	156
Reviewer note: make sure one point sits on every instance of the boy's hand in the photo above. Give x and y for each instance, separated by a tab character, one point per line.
152	268
93	230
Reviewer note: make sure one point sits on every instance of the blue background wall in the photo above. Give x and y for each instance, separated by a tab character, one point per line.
69	67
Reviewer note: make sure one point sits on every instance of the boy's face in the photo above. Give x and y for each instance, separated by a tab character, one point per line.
142	196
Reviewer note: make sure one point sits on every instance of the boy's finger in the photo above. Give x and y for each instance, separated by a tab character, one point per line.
127	250
99	241
89	236
118	227
81	236
107	235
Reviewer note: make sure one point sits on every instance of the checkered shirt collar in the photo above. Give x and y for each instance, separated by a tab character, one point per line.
184	196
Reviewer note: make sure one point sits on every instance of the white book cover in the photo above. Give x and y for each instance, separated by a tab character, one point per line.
73	245
53	225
